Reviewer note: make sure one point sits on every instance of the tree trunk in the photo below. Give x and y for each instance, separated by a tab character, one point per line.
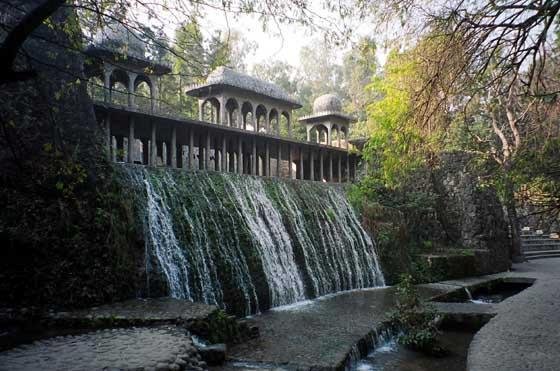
515	248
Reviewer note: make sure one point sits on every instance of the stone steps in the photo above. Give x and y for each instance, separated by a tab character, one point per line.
543	254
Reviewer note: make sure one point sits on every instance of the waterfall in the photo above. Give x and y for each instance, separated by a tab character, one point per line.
247	243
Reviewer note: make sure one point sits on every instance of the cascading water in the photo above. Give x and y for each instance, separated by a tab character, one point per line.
248	243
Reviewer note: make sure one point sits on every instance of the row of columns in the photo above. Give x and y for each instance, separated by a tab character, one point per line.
225	117
108	71
240	161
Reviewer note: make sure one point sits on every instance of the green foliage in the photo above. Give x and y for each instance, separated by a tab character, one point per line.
394	140
415	319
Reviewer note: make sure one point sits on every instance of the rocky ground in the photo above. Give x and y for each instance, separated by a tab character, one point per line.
149	348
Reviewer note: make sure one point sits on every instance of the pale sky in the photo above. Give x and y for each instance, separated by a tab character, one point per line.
278	42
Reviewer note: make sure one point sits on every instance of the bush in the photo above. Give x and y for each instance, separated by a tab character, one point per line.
416	321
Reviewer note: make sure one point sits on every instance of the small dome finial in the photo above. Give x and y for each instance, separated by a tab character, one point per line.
327	103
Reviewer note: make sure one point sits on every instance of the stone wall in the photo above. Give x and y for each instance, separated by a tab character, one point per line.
471	215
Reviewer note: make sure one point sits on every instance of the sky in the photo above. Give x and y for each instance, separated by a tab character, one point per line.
278	42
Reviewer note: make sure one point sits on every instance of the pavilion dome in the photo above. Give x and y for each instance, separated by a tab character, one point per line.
327	103
117	38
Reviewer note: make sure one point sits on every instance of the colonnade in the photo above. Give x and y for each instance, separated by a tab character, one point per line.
191	146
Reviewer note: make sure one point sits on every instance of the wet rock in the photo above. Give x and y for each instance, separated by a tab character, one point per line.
213	354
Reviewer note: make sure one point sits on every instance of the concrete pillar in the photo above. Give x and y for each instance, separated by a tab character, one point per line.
224	166
200	112
173	147
223	111
207	152
153	151
289	125
308	134
107	72
312	164
330	168
191	149
290	160
131	79
254	118
339	167
240	156
254	158
239	118
321	167
154	93
130	152
301	172
329	136
145	151
279	161
267	122
267	159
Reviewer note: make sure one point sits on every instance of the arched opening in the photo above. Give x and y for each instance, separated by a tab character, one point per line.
260	114
344	136
285	129
274	122
232	109
318	134
211	110
96	89
143	93
247	115
335	136
119	87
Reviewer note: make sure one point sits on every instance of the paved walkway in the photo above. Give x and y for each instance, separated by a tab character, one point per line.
318	334
525	333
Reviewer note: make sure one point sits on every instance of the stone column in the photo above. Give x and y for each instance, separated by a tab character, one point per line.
321	167
330	167
289	125
312	164
254	118
308	133
239	118
267	122
279	161
153	151
223	111
191	149
290	160
224	166
131	79
301	172
145	151
107	72
254	158
174	147
267	159
200	104
154	93
130	151
339	168
329	136
240	156
207	152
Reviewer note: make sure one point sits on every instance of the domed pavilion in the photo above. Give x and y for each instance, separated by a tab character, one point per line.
328	124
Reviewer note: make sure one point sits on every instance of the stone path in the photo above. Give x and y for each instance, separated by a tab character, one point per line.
161	348
525	333
318	334
140	311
